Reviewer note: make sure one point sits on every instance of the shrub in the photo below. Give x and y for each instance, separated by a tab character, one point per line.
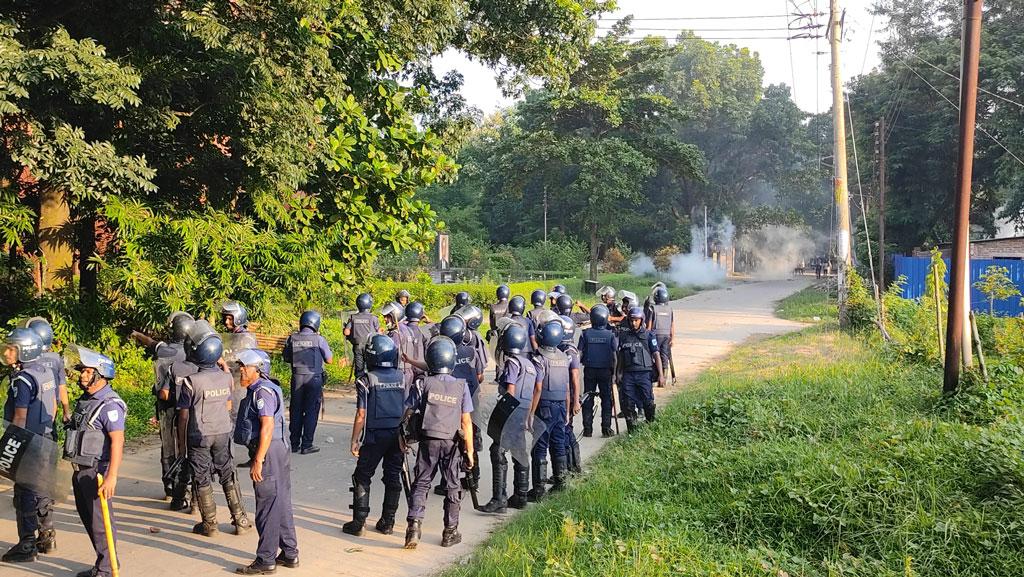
614	261
663	257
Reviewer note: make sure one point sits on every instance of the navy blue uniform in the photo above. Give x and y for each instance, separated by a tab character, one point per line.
105	412
167	354
275	522
597	355
381	393
553	371
443	400
307	352
637	350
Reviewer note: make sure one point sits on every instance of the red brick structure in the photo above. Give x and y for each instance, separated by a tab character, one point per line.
1009	248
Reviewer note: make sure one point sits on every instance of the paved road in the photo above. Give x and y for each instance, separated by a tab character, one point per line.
156	542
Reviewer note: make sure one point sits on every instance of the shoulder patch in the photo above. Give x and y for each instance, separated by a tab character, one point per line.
113	415
259	403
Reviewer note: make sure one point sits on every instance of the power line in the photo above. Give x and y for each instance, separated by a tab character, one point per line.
683	29
636	38
792	68
871	31
957	78
957	107
731	17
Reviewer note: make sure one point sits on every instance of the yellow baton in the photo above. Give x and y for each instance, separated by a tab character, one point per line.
106	528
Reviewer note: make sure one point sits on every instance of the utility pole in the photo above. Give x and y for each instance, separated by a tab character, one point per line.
880	131
842	194
545	213
707	251
970	53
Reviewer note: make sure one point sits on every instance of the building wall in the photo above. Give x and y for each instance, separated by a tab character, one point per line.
1011	248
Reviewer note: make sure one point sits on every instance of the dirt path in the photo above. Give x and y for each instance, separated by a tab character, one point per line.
156	542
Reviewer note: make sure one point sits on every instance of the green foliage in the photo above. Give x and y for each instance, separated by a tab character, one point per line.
615	261
996	284
861	309
822	458
813	304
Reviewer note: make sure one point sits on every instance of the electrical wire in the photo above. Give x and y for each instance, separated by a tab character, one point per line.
792	68
863	209
957	78
687	29
730	17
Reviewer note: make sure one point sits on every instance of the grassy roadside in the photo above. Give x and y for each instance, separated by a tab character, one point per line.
807	304
823	457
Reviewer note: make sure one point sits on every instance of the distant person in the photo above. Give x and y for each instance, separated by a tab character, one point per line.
358	330
598	346
817	268
307	351
638	364
661	321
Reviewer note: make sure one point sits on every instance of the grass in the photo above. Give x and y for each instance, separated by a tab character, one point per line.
807	304
810	454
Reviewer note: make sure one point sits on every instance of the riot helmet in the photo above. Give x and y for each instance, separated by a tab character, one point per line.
414	312
181	324
502	292
564	304
364	302
462	298
453	327
514	340
402	294
310	319
550	334
599	316
381	352
661	295
25	345
568	329
440	355
517	305
235	310
41	327
537	298
394	311
79	358
472	315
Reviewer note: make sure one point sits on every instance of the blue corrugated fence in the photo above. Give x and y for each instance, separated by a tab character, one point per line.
915	269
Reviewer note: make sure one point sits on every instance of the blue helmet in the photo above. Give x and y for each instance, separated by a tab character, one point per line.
472	315
559	288
599	316
236	311
310	319
265	362
440	355
453	327
381	352
181	324
414	311
568	329
517	305
364	302
41	327
538	297
203	346
550	334
564	304
462	298
502	292
254	358
636	313
514	339
661	295
88	358
27	343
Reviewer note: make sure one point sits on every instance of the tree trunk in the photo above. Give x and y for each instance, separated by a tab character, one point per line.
87	273
594	245
55	239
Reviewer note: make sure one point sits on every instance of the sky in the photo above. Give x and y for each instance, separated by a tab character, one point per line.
807	72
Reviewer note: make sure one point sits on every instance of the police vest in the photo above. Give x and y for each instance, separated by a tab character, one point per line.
442	406
636	351
598	352
525	324
662	320
556	374
385	398
526	377
55	363
532	314
307	359
247	425
211	391
167	354
42	409
84	441
465	367
177	375
499	310
363	326
410	344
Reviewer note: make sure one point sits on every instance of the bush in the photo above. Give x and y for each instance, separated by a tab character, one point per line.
861	309
614	261
663	257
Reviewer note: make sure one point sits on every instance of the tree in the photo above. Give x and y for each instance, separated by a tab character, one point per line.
996	284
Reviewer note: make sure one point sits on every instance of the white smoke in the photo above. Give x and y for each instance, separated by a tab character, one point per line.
694	269
641	265
774	251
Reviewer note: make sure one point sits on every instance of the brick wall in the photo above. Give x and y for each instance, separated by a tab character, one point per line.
1002	248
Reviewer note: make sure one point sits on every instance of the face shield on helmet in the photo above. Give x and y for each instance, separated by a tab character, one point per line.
77	358
235	310
21	346
394	312
43	329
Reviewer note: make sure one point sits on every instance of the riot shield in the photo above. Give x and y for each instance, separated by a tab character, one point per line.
505	423
34	462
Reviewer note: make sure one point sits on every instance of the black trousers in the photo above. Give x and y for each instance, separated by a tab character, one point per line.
85	485
209	456
597	381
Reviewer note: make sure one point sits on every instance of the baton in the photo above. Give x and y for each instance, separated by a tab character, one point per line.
615	406
107	529
406	480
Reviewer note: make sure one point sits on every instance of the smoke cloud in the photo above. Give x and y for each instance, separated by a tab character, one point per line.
774	251
693	269
641	265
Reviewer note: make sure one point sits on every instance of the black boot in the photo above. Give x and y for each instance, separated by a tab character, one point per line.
440	489
575	459
208	510
238	517
559	468
256	568
386	523
588	430
607	432
630	425
540	469
360	509
413	533
23	552
165	465
499	479
520	485
46	542
451	536
649	412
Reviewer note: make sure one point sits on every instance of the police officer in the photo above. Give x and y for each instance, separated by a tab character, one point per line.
235	319
564	305
444	406
661	322
94	443
551	399
462	299
517	378
498	310
516	307
469	367
358	329
260	427
598	346
170	392
567	346
52	361
380	405
307	351
167	354
638	363
473	316
410	340
204	419
32	405
402	297
537	299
